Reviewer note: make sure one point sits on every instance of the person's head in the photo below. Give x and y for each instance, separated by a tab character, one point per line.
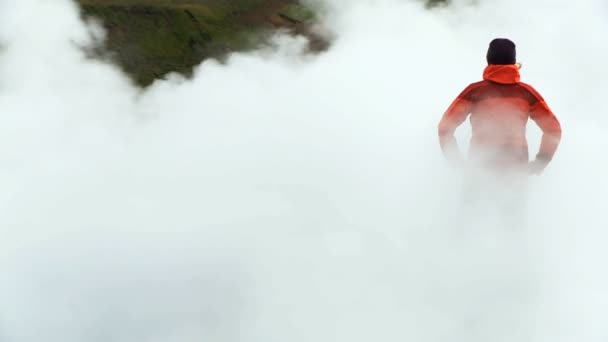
501	52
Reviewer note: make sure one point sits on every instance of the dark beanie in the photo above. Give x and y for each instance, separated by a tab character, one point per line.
501	52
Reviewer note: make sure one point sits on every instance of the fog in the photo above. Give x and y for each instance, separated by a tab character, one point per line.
289	197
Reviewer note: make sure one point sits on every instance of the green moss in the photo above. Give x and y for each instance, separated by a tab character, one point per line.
298	13
152	40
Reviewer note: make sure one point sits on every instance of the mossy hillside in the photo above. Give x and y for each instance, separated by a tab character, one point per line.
298	13
150	38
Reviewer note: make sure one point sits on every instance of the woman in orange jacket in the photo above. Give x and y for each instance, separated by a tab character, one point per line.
499	107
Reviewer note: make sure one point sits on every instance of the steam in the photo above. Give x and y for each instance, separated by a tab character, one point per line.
283	197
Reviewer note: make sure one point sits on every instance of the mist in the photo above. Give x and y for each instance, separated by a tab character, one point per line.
283	196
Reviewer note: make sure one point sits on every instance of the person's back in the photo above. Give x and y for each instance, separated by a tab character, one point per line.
499	107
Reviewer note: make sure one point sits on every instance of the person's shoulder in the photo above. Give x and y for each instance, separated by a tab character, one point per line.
471	87
477	84
532	91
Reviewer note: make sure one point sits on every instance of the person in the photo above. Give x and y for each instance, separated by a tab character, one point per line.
499	165
499	107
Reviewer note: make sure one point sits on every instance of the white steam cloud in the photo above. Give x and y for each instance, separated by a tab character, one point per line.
290	198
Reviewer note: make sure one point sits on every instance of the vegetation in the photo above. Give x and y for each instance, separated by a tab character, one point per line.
150	38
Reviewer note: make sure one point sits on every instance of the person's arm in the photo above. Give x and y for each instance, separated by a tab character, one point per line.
455	115
542	115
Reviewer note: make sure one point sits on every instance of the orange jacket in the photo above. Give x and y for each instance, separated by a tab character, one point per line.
499	107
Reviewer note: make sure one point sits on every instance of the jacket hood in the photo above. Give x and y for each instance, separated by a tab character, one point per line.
504	74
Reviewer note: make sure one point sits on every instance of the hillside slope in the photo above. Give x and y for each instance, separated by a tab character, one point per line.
150	38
